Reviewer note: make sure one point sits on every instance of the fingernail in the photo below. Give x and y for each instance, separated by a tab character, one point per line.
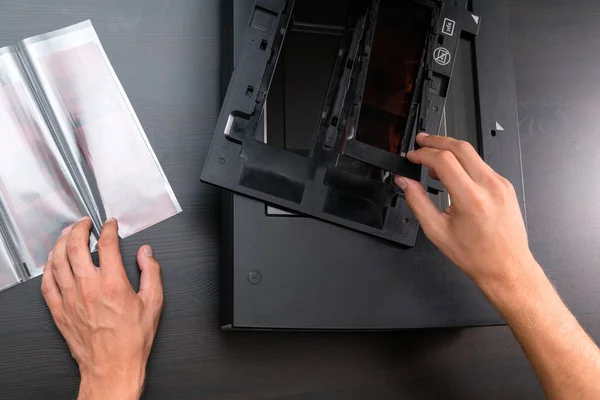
84	219
422	135
148	251
50	255
66	230
110	220
401	182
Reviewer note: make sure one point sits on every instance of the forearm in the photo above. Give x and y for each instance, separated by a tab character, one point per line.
564	357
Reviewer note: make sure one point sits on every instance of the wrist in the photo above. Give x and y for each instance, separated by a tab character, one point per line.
116	384
518	275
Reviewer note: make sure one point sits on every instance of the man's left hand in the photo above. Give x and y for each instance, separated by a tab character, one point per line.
109	328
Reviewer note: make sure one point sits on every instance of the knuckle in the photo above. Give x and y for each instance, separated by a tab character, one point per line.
61	240
87	296
507	185
59	318
106	242
415	155
478	200
512	191
159	270
73	248
446	156
112	288
507	193
45	288
57	269
55	266
463	147
88	292
501	188
159	299
492	182
68	303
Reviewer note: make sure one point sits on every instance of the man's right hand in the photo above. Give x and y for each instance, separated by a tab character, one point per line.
483	230
484	234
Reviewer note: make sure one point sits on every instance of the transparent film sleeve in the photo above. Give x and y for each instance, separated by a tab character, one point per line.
38	196
99	128
8	274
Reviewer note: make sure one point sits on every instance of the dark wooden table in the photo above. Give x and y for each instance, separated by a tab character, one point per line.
167	56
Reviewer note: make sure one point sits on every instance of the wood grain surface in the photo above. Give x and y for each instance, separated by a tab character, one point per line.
167	55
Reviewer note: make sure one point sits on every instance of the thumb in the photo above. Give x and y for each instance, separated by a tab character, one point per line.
430	217
151	287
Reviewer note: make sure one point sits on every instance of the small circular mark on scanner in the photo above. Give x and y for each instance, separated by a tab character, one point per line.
406	220
254	277
494	133
221	161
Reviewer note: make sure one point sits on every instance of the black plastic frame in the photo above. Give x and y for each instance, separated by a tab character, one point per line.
317	186
432	86
310	285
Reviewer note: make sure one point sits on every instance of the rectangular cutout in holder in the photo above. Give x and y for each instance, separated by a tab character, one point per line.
396	53
393	109
324	63
301	79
